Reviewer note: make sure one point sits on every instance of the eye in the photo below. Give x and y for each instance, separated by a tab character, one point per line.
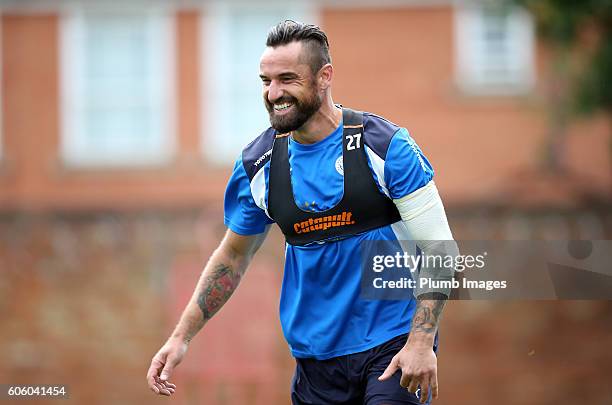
266	82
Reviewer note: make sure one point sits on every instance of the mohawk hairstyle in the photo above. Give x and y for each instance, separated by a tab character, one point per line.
313	38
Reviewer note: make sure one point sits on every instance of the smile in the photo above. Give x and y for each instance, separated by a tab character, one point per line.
282	107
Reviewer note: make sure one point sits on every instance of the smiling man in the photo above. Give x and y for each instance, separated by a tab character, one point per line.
331	178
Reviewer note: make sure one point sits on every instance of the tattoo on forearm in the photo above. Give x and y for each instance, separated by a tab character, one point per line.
427	315
217	289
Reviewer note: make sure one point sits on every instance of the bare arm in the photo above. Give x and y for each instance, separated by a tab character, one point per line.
423	214
417	360
426	318
218	281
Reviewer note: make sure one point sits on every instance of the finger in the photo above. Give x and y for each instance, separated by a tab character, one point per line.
168	369
158	388
153	371
389	371
153	380
170	385
424	392
162	390
151	383
165	386
154	368
434	386
413	385
406	379
161	382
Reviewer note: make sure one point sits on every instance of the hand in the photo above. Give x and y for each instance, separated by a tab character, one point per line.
419	368
162	365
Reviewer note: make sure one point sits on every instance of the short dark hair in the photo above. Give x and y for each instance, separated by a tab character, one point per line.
310	35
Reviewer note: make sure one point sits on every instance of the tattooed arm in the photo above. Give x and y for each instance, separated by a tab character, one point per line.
426	317
423	215
417	360
217	283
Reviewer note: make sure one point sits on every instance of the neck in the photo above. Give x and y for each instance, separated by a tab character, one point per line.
321	124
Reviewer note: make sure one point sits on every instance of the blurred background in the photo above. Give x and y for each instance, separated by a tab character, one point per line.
120	122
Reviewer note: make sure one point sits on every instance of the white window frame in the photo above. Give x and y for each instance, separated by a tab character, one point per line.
470	73
76	150
215	55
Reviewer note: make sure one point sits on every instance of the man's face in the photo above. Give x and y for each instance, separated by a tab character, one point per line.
289	87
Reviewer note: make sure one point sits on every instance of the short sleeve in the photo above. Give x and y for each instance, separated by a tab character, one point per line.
241	214
406	168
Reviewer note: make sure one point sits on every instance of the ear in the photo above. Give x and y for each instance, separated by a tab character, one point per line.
325	75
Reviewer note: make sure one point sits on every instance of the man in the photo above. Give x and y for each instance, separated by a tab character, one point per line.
331	178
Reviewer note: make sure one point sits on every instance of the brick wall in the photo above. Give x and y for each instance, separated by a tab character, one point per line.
86	300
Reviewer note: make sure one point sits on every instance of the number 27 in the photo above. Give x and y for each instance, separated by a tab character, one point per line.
354	141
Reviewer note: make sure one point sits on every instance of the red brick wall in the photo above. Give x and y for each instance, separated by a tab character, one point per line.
86	300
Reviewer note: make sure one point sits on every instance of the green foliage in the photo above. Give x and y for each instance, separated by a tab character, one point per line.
561	23
558	21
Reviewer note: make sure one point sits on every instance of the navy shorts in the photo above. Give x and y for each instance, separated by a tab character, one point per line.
352	379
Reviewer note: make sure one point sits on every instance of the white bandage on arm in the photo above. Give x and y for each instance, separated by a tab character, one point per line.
423	215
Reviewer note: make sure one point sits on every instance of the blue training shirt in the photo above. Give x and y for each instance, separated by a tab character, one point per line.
321	313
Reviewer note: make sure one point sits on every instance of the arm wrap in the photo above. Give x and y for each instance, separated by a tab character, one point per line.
423	214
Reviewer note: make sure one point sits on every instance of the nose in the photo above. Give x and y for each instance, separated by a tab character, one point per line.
274	92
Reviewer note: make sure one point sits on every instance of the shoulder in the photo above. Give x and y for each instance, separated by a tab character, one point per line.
378	133
257	153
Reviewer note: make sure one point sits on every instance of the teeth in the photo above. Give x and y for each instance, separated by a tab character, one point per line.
283	106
